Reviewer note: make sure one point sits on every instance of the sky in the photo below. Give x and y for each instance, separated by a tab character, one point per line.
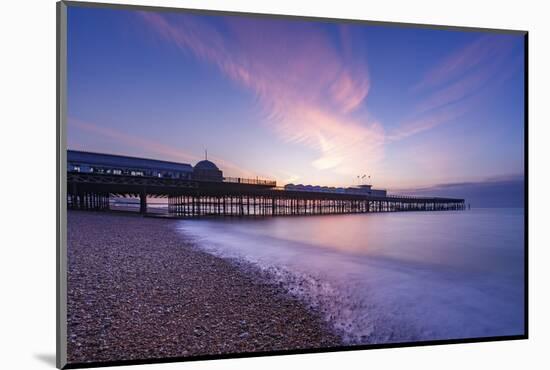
310	102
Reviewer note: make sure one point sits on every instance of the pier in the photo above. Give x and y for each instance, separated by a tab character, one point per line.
249	197
94	179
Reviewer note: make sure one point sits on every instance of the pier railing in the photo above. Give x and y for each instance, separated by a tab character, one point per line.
241	180
412	197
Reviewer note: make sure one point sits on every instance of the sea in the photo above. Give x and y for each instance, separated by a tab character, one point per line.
389	277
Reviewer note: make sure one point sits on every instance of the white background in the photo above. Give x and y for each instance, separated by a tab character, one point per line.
27	135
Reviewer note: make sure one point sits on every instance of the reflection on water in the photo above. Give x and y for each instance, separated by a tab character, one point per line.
390	277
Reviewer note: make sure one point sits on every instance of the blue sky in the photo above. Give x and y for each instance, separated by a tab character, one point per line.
298	101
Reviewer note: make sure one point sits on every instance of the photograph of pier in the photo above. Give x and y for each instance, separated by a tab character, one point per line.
241	184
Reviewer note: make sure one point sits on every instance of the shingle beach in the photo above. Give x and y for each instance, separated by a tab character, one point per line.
139	289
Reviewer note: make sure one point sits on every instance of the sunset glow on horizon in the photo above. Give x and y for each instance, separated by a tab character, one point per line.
308	102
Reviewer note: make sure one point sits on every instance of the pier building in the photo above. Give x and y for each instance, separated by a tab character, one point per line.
112	164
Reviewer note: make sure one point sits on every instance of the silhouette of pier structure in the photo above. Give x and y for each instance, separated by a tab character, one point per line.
94	179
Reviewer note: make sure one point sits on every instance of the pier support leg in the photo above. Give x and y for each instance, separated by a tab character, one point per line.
143	202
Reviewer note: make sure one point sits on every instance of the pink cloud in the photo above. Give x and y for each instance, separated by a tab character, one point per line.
305	85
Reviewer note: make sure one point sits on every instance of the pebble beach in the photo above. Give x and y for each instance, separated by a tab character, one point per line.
138	289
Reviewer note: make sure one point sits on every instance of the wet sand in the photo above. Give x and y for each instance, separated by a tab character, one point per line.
137	289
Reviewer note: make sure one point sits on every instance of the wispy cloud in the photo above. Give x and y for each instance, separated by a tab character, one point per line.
307	84
485	49
429	120
456	85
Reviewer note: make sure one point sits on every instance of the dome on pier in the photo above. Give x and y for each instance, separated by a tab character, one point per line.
207	171
206	165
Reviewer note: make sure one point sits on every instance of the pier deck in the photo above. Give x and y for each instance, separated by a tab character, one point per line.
236	197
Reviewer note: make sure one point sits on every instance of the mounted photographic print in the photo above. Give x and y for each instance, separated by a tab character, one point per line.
236	184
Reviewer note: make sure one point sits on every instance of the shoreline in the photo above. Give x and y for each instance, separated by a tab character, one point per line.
138	289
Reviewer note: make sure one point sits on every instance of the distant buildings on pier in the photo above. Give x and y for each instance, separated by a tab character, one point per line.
361	189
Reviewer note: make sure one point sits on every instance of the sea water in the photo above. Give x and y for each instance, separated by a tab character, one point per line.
389	277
